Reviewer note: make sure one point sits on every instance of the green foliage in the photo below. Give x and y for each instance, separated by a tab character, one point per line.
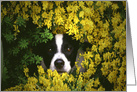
9	37
46	34
23	43
41	36
14	51
20	21
7	20
5	74
19	37
31	58
38	59
4	70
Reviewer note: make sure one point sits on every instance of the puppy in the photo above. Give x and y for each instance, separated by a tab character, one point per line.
59	53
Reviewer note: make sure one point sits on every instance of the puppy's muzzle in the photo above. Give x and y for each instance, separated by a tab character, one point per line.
59	63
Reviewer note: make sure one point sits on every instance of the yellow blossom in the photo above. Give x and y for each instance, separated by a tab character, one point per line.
45	5
81	14
26	70
40	70
115	7
4	11
97	59
17	9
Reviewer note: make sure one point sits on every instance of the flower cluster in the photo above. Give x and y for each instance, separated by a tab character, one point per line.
52	81
100	23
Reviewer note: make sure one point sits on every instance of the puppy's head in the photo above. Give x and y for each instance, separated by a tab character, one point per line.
60	53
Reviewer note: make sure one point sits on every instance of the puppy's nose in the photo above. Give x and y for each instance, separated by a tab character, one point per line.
59	63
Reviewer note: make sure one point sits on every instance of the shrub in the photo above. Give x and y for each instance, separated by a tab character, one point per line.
25	24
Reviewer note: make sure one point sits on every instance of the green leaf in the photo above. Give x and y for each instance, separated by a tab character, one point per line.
23	43
20	21
26	56
15	51
7	20
9	37
38	59
4	75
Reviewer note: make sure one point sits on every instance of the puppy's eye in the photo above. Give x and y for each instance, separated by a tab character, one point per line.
49	49
68	49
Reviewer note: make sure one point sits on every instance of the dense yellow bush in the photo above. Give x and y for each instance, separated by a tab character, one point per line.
86	21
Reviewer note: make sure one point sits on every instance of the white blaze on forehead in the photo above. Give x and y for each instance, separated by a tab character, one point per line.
59	41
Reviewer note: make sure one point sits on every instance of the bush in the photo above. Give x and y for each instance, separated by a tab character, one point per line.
25	24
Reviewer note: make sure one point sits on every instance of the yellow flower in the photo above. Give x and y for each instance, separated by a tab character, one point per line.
25	16
36	9
44	15
13	3
90	38
76	20
96	82
88	25
115	6
64	76
94	48
112	76
124	4
35	18
107	3
79	82
48	23
26	70
45	5
40	70
89	3
17	9
59	20
16	28
116	19
98	3
58	3
71	78
97	59
44	81
107	56
101	88
106	66
27	4
4	11
32	80
78	69
50	74
106	25
104	33
81	14
81	3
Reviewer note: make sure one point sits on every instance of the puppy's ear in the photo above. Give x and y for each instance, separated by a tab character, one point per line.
85	45
71	39
76	43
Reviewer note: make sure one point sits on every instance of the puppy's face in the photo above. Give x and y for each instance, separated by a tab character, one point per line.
60	53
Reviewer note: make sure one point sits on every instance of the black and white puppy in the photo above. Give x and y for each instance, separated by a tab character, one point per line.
59	53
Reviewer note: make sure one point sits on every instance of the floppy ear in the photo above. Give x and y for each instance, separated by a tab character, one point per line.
78	44
71	40
85	45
